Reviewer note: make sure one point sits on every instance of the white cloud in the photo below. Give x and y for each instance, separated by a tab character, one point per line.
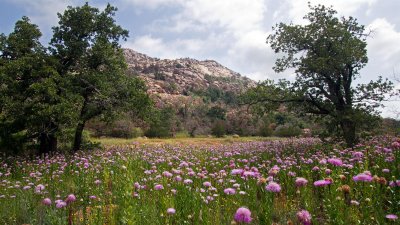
237	16
152	4
297	9
154	47
384	44
43	12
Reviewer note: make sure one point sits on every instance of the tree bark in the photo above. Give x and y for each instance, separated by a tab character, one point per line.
78	136
349	132
48	143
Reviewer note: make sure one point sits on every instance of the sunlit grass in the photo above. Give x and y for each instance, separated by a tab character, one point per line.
181	140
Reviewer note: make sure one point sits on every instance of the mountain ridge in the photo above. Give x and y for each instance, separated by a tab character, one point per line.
184	76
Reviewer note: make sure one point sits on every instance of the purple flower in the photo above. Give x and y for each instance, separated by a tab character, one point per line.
158	187
320	183
60	204
363	177
304	217
229	191
46	201
171	211
71	198
207	184
167	174
243	215
97	182
237	171
273	187
39	188
187	181
300	182
391	217
335	161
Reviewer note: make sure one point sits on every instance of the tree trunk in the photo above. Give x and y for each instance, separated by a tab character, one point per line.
48	143
80	127
349	132
78	136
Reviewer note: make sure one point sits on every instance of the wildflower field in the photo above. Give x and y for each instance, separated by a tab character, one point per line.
292	181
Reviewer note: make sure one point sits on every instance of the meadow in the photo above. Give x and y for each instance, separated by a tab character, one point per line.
250	181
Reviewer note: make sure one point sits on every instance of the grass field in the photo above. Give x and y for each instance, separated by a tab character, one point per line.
181	140
206	181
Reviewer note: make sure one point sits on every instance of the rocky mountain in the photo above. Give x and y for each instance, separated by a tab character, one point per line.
185	76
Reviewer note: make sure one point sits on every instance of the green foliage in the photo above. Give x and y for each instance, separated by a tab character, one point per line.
265	130
33	103
216	113
66	138
86	42
159	76
218	129
327	54
161	123
43	94
287	130
213	93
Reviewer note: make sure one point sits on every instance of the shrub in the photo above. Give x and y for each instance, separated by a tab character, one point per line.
137	132
218	129
182	134
265	130
287	130
159	76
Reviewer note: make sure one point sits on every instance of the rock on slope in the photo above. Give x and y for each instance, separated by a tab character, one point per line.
167	77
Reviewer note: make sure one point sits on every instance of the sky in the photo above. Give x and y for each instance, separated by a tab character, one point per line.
232	32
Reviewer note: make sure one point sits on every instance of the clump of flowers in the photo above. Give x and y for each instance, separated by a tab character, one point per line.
273	187
321	183
243	215
300	182
304	217
46	201
229	191
363	177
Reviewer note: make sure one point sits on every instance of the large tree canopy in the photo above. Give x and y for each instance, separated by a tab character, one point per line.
32	106
44	92
86	42
327	54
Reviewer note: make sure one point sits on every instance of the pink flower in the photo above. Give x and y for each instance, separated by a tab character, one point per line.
60	204
304	217
171	211
187	181
71	198
46	201
158	187
391	217
97	182
207	184
237	171
243	215
229	191
167	174
322	183
335	161
363	177
300	182
273	187
39	188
